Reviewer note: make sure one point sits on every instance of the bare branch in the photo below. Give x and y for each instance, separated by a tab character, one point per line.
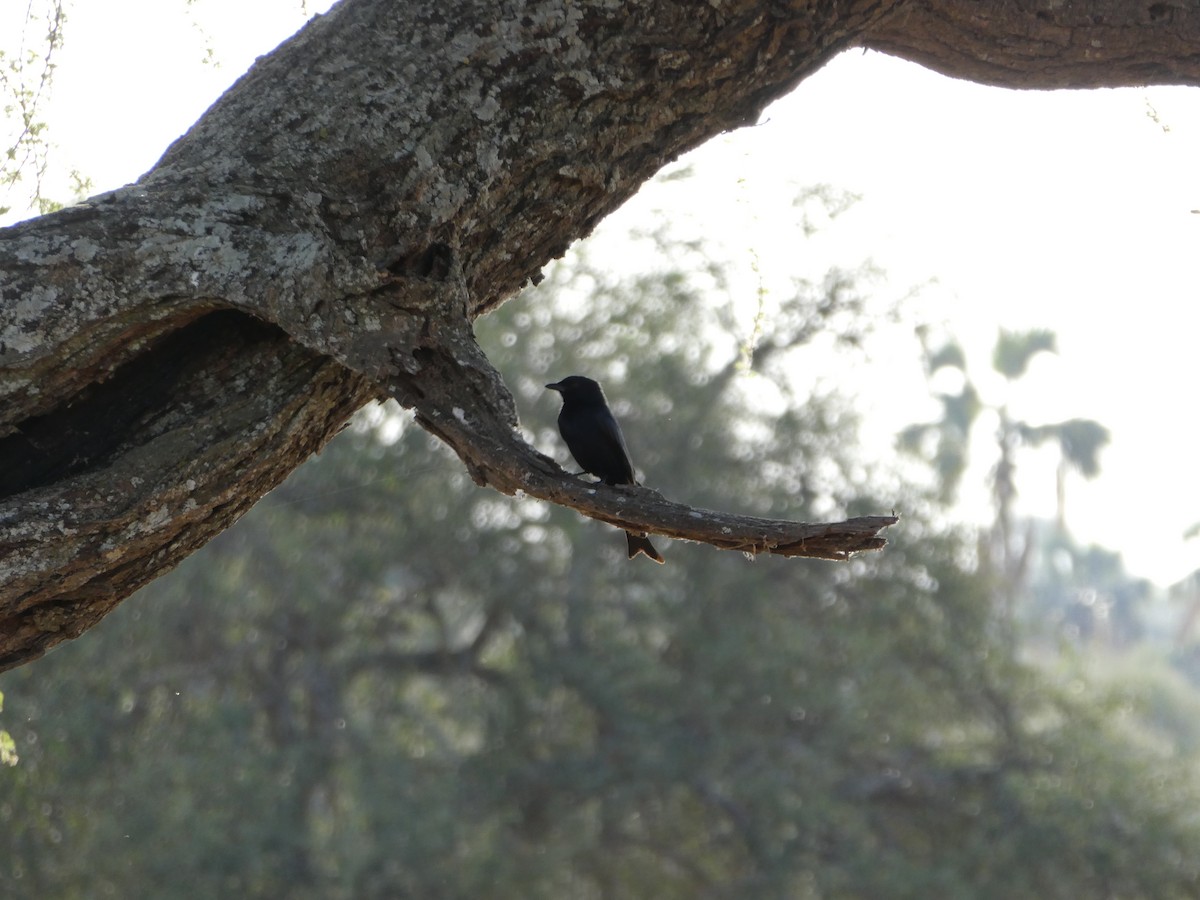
459	397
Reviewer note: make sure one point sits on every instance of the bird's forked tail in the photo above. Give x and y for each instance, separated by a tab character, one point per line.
640	543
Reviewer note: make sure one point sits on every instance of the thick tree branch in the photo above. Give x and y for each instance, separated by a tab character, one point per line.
459	397
328	193
1047	43
218	400
328	230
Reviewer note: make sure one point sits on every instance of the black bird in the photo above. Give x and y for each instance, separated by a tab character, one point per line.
595	440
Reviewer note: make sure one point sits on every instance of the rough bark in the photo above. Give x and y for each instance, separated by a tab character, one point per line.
329	229
1048	43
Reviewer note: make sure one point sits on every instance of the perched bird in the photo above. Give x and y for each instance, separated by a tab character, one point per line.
595	440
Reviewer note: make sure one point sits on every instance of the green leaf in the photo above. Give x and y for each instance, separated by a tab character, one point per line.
1014	350
1081	441
948	355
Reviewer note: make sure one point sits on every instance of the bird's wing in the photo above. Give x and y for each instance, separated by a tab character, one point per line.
595	440
614	440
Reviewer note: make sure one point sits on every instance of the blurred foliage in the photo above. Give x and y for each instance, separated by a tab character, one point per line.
27	62
386	682
1015	349
1008	550
8	747
1084	594
1080	440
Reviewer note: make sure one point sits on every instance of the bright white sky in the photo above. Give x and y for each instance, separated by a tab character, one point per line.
1066	210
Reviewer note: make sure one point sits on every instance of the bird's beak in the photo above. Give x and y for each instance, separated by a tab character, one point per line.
555	387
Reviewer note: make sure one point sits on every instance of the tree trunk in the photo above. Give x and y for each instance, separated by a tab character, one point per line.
329	229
